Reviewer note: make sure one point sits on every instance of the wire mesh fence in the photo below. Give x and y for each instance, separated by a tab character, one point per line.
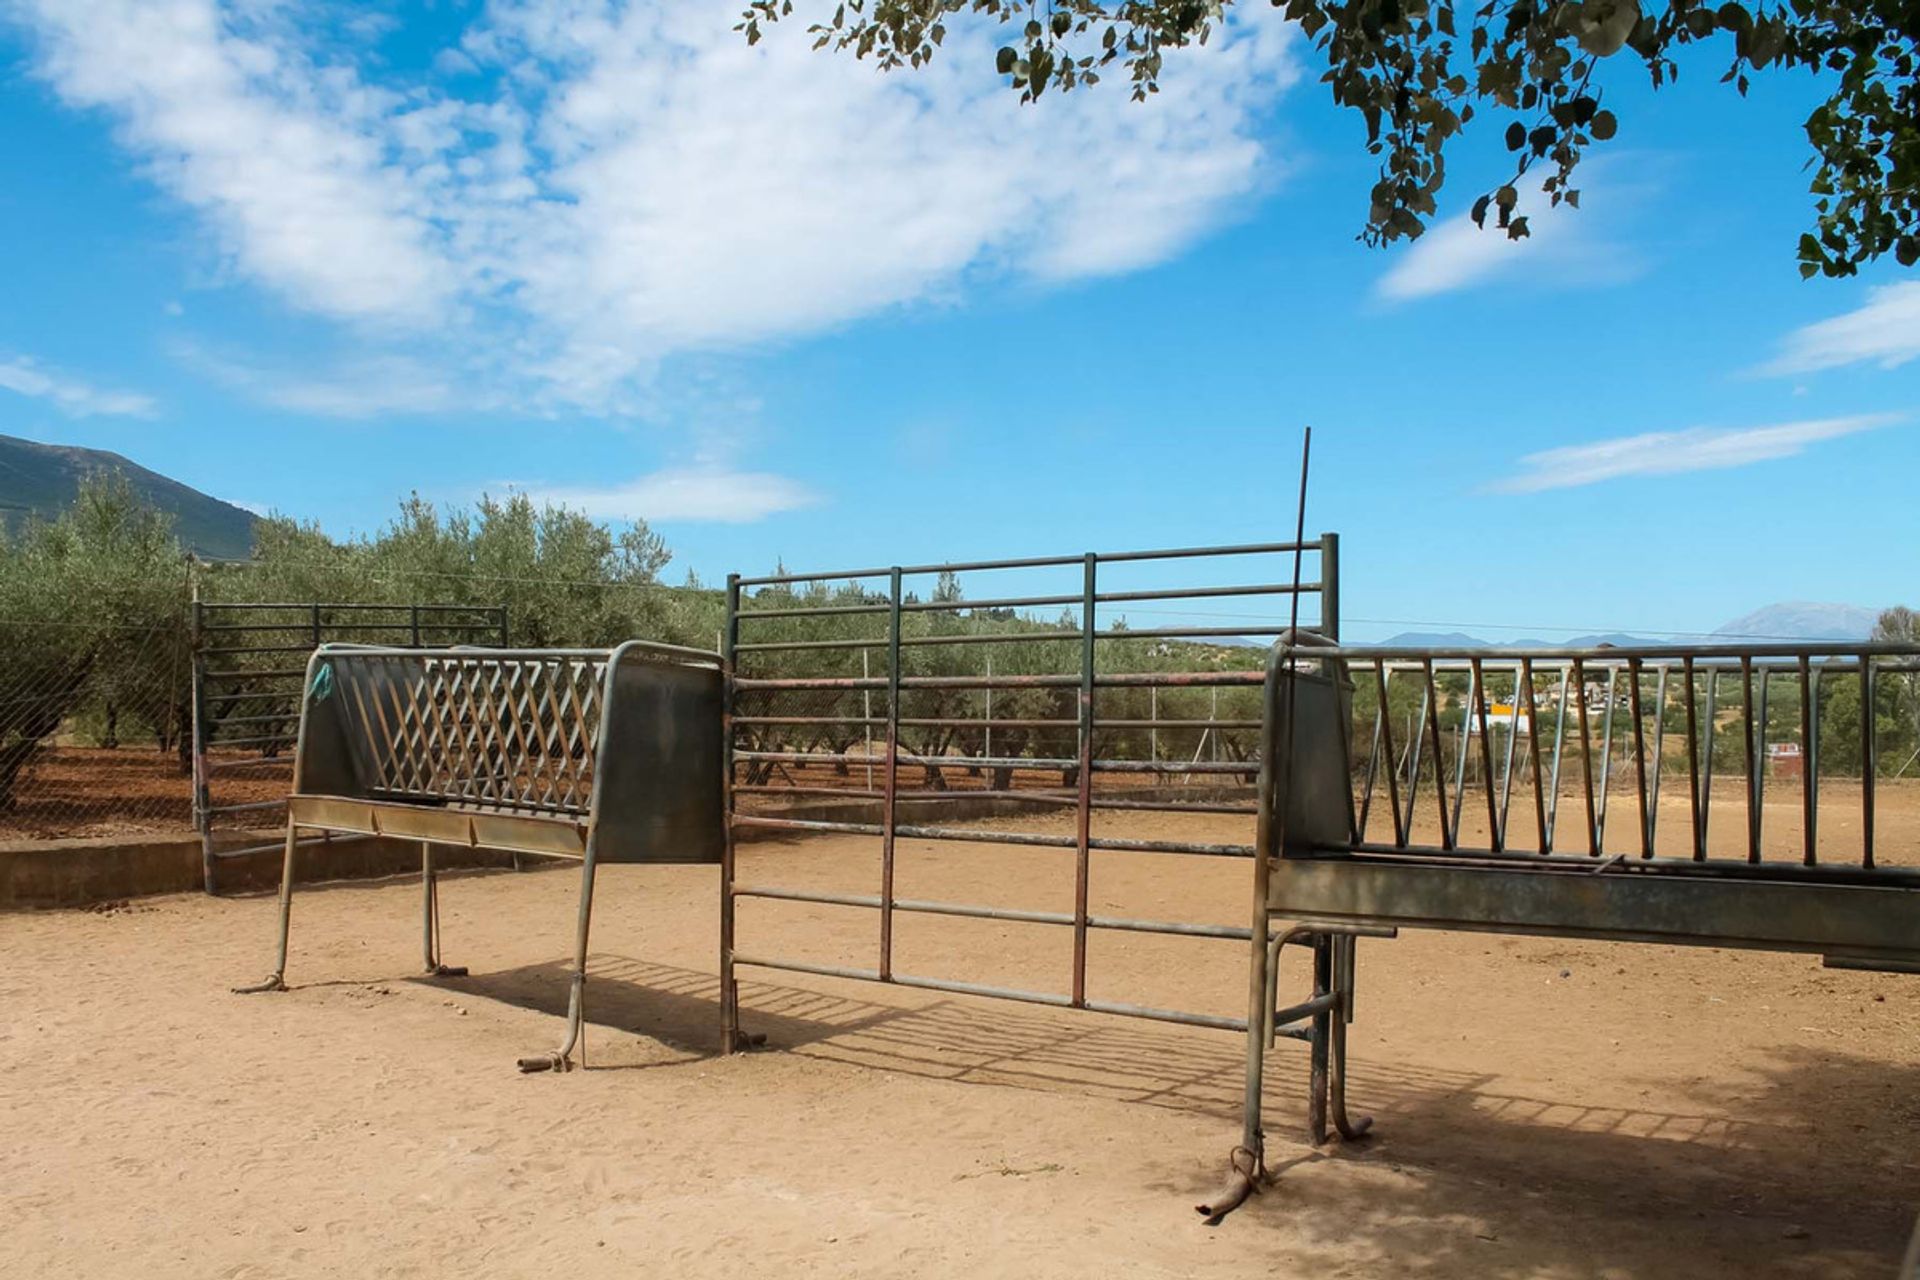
97	723
95	732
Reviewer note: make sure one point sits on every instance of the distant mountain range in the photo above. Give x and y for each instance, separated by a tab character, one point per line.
43	479
1794	620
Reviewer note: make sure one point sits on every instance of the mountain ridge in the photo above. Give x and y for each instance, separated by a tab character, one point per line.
44	479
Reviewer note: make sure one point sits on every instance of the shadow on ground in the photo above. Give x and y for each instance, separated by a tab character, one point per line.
1463	1177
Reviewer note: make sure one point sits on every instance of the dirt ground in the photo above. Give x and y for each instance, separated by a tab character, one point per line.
1545	1108
73	791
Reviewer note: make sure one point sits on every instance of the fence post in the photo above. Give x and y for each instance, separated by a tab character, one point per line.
202	819
1084	836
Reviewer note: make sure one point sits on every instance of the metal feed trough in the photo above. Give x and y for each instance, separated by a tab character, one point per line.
1368	826
605	755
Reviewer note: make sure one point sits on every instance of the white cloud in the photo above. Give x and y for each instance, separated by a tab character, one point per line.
356	386
68	394
1886	331
1658	453
1565	246
612	185
703	492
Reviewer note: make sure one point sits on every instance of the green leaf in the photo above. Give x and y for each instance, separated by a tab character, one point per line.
1604	125
1516	136
1004	60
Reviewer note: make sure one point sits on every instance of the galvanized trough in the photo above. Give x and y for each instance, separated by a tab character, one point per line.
1341	797
605	755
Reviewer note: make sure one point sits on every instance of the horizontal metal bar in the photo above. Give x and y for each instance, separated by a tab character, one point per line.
249	806
1008	762
281	843
1036	562
222	652
1796	871
861	795
1141	680
801	966
1305	1009
278	717
1166	1015
257	695
222	766
1012	915
267	673
969	835
1205	593
983	989
1188	633
1614	654
233	744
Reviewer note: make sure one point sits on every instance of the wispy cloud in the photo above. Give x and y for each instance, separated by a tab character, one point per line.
584	189
70	395
1886	331
706	493
1565	247
1661	453
356	386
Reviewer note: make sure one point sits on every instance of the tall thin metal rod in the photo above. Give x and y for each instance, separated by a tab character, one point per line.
888	811
1809	807
730	1038
1082	860
1606	754
1479	711
1639	757
1542	830
1693	762
1868	765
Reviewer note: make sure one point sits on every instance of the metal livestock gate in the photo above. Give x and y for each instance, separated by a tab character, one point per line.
797	684
248	661
1351	847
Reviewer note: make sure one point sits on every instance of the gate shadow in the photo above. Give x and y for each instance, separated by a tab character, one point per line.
1824	1141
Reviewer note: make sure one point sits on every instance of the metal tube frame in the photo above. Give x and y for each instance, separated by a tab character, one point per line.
1086	766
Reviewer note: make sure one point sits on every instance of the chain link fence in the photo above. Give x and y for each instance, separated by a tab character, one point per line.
95	732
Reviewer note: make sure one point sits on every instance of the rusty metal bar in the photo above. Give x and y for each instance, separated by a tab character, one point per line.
1439	777
1639	755
1693	766
1809	806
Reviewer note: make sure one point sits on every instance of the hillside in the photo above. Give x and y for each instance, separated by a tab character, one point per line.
42	479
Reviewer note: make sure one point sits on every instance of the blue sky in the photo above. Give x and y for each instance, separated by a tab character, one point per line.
309	258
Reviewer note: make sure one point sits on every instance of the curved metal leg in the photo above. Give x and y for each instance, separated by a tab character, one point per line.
1343	977
277	980
562	1058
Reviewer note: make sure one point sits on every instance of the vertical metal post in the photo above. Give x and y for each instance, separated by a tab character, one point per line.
1153	721
866	715
1479	708
1082	865
427	890
1330	585
1586	757
413	621
1533	753
1693	761
987	749
1809	808
889	816
730	1038
202	797
1747	745
316	624
1640	757
1868	765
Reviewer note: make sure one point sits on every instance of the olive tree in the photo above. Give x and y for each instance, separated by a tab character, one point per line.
1419	72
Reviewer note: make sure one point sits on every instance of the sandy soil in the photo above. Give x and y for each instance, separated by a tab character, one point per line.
1546	1109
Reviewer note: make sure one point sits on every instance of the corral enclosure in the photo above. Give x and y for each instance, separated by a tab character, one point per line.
1547	1107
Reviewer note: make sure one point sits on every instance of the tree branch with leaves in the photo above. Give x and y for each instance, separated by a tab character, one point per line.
1419	71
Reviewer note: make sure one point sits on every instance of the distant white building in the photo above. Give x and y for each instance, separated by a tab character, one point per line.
1500	715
